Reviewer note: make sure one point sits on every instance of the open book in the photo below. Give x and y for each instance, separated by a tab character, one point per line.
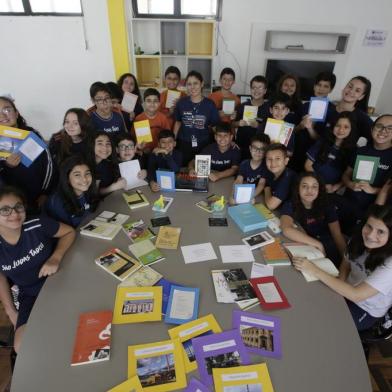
313	255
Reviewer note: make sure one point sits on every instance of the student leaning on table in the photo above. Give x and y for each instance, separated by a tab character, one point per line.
28	254
365	278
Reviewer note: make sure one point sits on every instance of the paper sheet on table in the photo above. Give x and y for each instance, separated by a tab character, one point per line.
236	254
269	292
182	306
365	170
129	171
317	109
128	102
197	253
261	270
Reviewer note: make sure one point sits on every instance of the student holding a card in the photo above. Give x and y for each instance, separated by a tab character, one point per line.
310	207
36	180
365	277
194	116
366	174
76	196
289	84
165	156
330	157
226	80
128	84
247	120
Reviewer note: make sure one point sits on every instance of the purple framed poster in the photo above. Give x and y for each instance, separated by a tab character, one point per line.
196	386
260	333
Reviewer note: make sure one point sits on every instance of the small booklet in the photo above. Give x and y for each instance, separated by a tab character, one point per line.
269	293
207	203
143	131
228	106
313	255
250	113
168	237
195	385
365	168
112	217
138	231
135	199
171	98
203	165
260	270
244	193
99	229
253	378
146	252
159	365
183	305
93	336
129	170
137	304
131	385
258	240
117	263
274	254
318	108
220	350
162	204
166	180
279	131
261	334
128	102
144	276
203	326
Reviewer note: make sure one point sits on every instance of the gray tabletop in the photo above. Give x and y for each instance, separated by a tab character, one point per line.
321	350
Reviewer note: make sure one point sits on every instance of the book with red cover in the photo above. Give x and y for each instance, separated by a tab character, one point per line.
269	293
92	343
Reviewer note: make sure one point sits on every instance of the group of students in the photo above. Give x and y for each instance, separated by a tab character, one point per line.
309	181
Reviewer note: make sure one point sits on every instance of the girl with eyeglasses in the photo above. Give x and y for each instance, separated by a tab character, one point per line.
30	250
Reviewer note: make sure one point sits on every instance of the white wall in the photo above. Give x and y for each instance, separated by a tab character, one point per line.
45	65
384	102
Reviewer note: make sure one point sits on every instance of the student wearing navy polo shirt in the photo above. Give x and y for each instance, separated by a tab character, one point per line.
225	157
76	196
194	116
330	157
318	218
254	171
28	254
280	179
163	157
385	194
360	195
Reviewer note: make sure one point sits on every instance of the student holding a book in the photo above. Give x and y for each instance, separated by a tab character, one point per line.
128	84
76	196
29	253
365	277
309	206
36	180
289	84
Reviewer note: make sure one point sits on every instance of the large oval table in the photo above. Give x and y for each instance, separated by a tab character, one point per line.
321	350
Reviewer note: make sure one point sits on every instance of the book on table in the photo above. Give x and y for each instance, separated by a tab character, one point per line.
135	199
99	229
144	276
187	182
93	336
207	203
168	237
275	254
112	217
146	252
258	240
138	231
247	217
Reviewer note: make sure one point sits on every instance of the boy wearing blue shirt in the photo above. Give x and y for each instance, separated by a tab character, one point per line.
163	157
280	180
225	158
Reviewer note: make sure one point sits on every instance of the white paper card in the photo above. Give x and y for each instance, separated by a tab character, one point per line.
129	171
365	170
273	129
261	270
31	149
198	253
228	106
318	108
236	254
269	292
171	98
183	303
128	102
243	194
143	131
166	182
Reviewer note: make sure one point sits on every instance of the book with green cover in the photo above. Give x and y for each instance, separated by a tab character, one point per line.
138	231
135	199
146	252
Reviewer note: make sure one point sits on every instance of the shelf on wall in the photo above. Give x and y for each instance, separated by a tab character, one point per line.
200	38
148	71
173	38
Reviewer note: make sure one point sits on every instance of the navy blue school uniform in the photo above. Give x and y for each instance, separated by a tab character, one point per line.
250	175
282	186
55	208
106	172
332	169
245	134
75	149
22	262
196	118
172	162
319	126
317	227
221	161
113	126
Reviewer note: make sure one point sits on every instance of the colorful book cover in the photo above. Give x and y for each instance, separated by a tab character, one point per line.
250	113
261	334
196	386
144	276
275	254
221	350
117	263
159	365
166	288
264	211
168	237
228	106
138	231
186	182
146	252
143	131
135	199
98	229
279	131
171	98
203	326
93	335
247	217
166	180
251	378
203	165
183	305
131	385
207	203
137	304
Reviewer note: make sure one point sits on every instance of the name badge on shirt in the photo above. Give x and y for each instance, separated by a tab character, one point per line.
194	142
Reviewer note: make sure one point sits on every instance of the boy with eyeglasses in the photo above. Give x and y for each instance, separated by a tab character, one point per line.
104	117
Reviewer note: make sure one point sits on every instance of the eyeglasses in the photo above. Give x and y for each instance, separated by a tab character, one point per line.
255	149
7	210
7	110
100	101
124	147
379	128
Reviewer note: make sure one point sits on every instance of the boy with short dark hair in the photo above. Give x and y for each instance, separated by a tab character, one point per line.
225	158
157	120
104	117
164	156
281	179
